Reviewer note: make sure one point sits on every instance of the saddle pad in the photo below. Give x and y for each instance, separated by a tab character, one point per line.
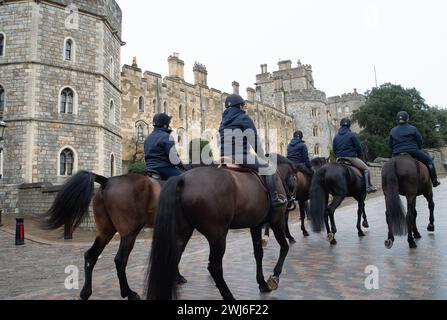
238	168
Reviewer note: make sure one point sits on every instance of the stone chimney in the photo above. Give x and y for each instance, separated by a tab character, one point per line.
176	66
355	91
200	74
263	68
251	93
285	65
236	87
134	62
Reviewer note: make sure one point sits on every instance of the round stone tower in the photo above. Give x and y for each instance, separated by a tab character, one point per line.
60	74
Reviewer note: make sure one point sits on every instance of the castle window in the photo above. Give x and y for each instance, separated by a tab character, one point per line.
340	110
181	133
315	131
112	112
193	115
165	107
66	162
69	50
140	134
112	68
347	110
2	44
314	112
67	100
281	149
112	165
141	104
2	101
154	103
317	150
180	113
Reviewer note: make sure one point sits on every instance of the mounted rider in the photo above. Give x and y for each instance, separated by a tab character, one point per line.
298	153
405	138
159	148
235	122
347	146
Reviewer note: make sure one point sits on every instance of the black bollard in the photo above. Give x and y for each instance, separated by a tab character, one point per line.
20	232
68	231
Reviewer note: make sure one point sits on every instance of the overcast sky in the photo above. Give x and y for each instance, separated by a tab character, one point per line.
343	40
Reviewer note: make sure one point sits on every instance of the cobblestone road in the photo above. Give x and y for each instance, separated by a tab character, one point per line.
313	269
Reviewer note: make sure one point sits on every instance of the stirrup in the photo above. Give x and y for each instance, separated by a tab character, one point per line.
279	201
371	189
436	183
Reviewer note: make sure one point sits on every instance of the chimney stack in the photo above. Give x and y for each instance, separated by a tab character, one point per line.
200	74
176	66
235	87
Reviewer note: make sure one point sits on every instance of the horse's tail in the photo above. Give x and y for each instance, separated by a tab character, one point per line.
73	200
394	210
318	200
161	274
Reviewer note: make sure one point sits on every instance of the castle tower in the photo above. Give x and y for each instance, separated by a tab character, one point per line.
60	71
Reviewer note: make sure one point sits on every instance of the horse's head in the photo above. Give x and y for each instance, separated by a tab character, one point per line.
317	163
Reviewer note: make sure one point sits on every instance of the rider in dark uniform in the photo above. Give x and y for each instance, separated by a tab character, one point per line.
297	152
235	144
158	147
405	138
347	146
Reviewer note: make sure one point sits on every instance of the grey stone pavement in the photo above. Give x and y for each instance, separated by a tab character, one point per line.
313	269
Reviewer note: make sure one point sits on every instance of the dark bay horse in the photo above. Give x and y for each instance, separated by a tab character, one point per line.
124	204
213	201
408	177
340	181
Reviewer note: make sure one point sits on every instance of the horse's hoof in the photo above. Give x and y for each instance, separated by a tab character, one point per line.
413	245
417	235
181	280
305	233
334	242
361	234
134	296
292	240
85	295
330	237
389	243
273	282
365	224
264	288
431	228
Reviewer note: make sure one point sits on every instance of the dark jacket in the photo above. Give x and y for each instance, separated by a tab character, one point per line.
297	153
157	147
405	138
235	118
347	144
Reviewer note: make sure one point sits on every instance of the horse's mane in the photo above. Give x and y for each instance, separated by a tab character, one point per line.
282	160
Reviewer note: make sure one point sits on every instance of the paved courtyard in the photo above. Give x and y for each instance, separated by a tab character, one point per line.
313	269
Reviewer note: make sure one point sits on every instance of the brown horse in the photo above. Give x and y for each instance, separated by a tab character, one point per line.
408	177
124	204
213	201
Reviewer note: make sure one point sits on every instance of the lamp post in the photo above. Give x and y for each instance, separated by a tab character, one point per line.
438	127
2	133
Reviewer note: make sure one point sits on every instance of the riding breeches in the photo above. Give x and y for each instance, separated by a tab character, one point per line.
168	172
356	162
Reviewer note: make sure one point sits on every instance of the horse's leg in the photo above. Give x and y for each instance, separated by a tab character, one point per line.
182	240
121	259
411	205
302	205
431	207
390	241
416	233
365	219
278	230
91	257
265	238
217	251
256	236
288	235
361	206
336	201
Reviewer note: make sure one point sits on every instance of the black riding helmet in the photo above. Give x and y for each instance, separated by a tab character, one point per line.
234	100
161	120
298	134
345	123
403	117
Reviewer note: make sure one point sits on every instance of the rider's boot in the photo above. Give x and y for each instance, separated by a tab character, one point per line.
275	200
433	175
369	187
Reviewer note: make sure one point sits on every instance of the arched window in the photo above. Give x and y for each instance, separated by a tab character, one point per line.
315	131
140	134
2	44
141	104
2	101
67	100
281	149
112	165
112	68
314	112
181	133
154	105
180	113
66	162
112	112
193	115
317	150
68	50
165	107
347	110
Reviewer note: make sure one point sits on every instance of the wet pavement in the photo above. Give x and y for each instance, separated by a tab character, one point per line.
313	268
